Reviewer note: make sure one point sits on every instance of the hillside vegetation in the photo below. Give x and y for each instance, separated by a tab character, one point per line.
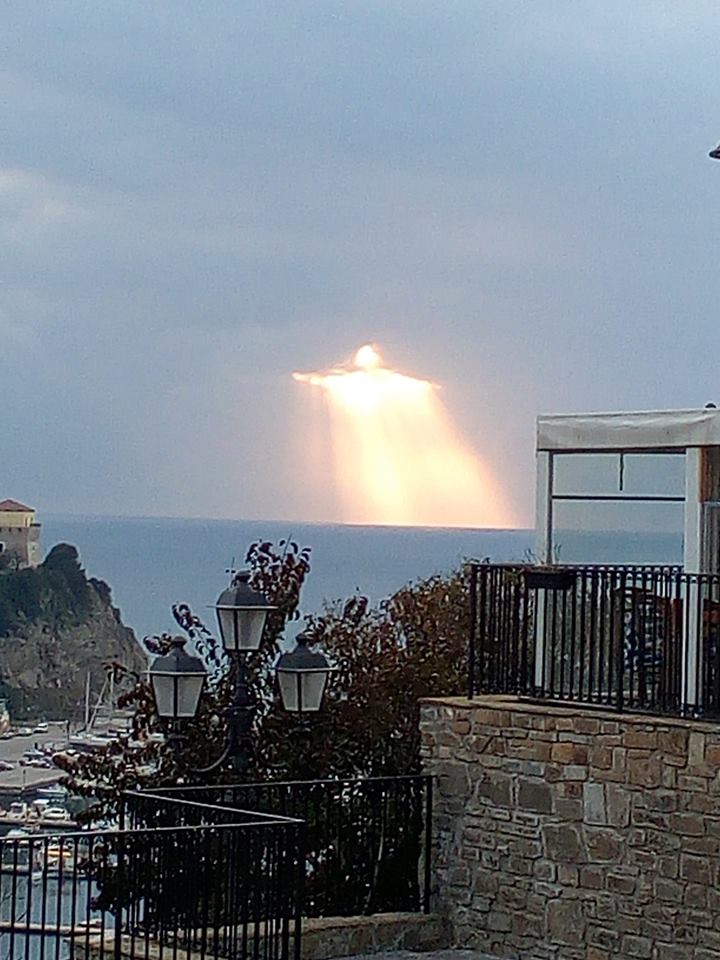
56	625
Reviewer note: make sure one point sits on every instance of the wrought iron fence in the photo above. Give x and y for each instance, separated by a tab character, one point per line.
215	883
367	841
627	637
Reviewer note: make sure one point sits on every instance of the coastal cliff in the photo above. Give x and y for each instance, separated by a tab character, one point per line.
56	626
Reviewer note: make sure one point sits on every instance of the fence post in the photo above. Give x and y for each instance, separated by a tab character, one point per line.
117	938
473	630
300	887
692	646
620	643
428	842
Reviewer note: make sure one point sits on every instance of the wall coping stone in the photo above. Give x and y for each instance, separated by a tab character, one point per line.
555	709
323	938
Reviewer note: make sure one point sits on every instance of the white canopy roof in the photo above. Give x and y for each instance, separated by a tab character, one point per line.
658	429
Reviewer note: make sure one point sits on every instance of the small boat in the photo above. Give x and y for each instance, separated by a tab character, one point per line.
59	858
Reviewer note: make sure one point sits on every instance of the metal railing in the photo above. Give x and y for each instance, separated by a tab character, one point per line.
626	637
215	883
218	873
367	841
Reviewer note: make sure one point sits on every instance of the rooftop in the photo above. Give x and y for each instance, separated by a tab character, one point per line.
14	506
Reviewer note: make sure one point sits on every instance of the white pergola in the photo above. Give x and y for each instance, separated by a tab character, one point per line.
587	446
692	433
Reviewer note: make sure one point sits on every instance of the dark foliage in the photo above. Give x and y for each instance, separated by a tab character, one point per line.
57	590
387	658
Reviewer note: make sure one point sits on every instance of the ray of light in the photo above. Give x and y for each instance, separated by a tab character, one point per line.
397	457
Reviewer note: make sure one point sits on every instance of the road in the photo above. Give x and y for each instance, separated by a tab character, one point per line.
12	750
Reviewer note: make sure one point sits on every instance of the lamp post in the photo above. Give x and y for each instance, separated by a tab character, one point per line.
177	678
241	613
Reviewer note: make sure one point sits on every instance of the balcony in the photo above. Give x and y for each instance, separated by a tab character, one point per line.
636	638
218	873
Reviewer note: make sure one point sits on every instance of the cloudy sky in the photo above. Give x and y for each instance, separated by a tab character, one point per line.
513	198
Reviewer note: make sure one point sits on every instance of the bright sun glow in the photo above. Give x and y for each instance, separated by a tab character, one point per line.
398	459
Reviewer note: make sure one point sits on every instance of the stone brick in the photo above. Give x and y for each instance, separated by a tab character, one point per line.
618	805
604	845
643	771
534	795
592	877
645	739
674	740
595	810
695	869
496	788
563	843
669	890
636	946
566	922
687	824
586	725
570	753
619	883
601	757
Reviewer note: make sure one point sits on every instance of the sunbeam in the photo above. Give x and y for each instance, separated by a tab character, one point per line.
397	457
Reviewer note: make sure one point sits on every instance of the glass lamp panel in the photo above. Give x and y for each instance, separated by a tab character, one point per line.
164	690
241	629
313	688
226	620
302	690
289	690
250	628
189	688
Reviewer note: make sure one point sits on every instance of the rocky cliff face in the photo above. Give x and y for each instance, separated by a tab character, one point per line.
56	626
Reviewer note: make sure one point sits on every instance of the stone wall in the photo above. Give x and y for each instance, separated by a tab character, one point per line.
323	938
575	834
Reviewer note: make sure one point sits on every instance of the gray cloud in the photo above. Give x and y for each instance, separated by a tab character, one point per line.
513	197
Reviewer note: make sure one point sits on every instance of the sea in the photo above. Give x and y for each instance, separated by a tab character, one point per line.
151	563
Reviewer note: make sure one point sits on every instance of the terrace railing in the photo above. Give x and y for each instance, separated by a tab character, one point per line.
217	873
626	637
367	841
215	884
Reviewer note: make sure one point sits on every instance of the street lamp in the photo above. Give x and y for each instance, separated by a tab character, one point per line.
177	681
242	612
177	678
302	677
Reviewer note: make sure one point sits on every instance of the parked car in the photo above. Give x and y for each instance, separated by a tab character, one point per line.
17	811
41	728
39	762
24	732
6	765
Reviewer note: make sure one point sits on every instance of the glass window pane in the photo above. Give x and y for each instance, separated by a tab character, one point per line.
654	473
615	532
586	473
613	474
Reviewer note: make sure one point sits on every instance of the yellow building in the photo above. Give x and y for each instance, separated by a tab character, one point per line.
19	533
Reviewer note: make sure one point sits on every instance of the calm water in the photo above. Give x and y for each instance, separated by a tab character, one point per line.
151	564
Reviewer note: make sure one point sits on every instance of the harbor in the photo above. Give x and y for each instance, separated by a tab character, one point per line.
22	778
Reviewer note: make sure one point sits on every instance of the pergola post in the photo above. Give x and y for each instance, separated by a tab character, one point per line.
693	562
543	552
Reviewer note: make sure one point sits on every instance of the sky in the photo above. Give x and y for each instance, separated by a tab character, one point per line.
513	199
